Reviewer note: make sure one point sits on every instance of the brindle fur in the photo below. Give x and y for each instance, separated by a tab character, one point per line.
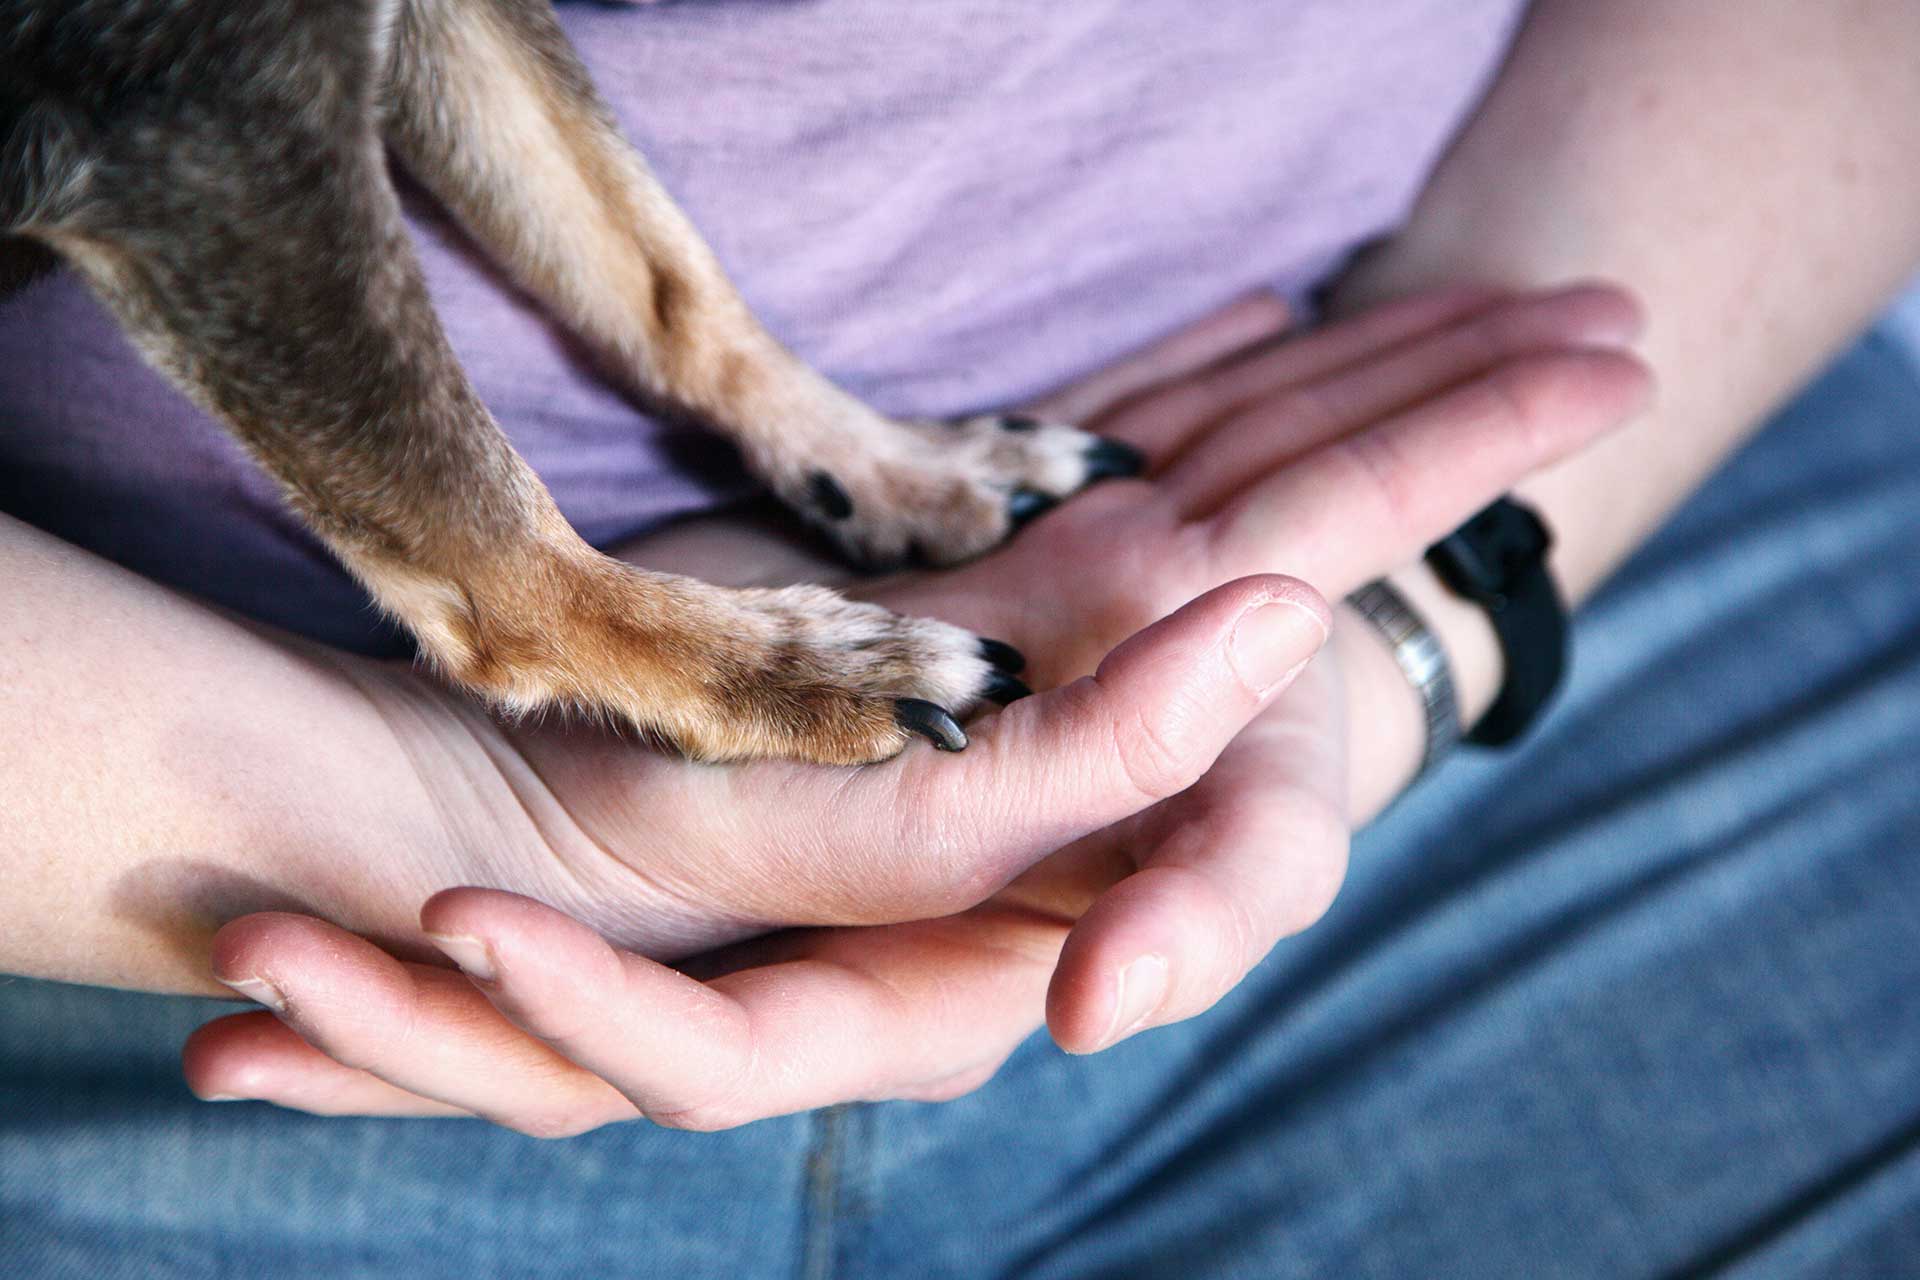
217	173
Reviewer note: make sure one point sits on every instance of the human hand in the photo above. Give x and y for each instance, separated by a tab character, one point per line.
813	1007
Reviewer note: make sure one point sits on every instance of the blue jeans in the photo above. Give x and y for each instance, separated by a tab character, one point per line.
1641	999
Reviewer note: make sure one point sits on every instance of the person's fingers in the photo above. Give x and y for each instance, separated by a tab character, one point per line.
1231	329
1377	497
1162	423
1271	431
553	1032
257	1057
669	1041
935	833
915	1016
1252	854
422	1030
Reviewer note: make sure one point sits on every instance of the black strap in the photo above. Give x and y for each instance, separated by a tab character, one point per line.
1498	560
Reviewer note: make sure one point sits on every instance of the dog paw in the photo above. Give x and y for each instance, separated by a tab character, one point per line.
942	492
797	673
814	676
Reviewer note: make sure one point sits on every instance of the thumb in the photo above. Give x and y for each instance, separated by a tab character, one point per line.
1051	769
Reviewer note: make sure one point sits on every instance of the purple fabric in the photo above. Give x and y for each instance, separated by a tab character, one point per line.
947	207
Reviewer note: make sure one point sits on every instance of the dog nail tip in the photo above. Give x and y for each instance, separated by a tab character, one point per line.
1111	459
1002	655
1026	504
931	722
1006	690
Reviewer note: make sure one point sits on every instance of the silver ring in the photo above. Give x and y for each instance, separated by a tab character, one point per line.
1421	660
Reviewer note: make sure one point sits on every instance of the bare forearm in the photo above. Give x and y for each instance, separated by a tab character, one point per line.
164	769
1748	170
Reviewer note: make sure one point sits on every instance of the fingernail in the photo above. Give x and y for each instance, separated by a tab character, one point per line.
1272	641
1612	333
260	991
223	1097
1143	984
1619	324
472	955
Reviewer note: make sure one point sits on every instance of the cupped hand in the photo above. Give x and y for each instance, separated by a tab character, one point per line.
1338	455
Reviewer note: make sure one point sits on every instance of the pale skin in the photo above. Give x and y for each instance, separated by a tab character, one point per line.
1609	147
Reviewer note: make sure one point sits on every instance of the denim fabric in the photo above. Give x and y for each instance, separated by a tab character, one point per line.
1642	999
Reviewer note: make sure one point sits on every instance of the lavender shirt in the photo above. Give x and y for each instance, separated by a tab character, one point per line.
945	206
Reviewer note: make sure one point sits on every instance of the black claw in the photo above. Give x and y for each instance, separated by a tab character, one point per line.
1106	458
828	497
1019	422
1025	504
930	722
1002	655
1003	688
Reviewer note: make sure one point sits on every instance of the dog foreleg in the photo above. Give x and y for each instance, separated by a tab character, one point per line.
491	108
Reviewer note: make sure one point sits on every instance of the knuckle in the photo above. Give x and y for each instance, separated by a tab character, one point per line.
1153	761
354	1046
724	1103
